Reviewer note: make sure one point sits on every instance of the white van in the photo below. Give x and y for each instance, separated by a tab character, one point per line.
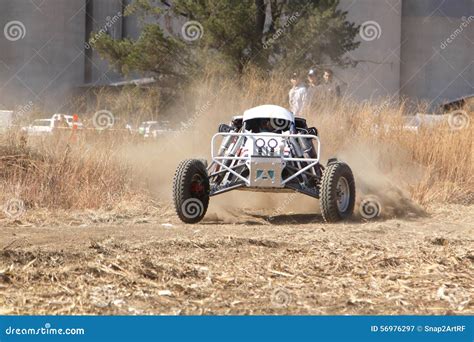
6	119
40	127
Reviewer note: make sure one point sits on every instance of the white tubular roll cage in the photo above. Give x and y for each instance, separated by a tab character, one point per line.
219	159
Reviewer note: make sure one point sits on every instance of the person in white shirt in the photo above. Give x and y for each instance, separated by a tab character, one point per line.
297	95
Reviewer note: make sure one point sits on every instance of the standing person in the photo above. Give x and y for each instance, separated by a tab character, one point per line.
331	88
297	95
314	89
59	126
60	122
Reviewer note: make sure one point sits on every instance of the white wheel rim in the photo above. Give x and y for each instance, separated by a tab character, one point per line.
343	194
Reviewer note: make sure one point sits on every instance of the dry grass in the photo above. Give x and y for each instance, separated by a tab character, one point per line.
388	267
435	165
130	255
58	174
432	165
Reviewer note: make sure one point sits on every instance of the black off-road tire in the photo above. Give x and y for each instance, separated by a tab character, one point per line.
191	204
329	192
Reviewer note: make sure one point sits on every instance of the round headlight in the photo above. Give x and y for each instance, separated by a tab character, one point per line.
272	143
260	143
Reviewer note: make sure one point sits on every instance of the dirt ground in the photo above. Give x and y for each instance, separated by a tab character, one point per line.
254	264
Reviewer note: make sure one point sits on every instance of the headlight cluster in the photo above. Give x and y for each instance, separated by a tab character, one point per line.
260	143
272	144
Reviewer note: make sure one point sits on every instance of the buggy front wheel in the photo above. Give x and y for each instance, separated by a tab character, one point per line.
337	197
191	190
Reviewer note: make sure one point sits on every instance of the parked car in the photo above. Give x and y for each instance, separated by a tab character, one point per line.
454	114
158	128
144	127
69	119
465	103
6	118
40	127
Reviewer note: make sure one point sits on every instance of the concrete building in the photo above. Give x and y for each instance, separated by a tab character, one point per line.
437	49
421	49
411	48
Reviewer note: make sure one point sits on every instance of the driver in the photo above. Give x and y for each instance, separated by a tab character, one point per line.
265	126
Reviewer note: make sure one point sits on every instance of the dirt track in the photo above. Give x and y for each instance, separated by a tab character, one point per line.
292	265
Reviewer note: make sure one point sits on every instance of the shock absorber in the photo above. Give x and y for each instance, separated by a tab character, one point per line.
233	151
225	145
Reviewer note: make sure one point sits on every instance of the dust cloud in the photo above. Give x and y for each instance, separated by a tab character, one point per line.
386	173
382	171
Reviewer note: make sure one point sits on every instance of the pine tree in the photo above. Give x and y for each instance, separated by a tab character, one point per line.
273	35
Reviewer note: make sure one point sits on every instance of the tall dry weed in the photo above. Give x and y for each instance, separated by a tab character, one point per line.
432	164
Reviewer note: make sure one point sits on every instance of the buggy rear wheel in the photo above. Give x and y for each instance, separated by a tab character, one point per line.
191	190
337	192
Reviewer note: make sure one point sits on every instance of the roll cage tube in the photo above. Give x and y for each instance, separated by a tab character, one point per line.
219	160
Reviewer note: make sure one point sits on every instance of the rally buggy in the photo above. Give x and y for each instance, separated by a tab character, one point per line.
265	149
